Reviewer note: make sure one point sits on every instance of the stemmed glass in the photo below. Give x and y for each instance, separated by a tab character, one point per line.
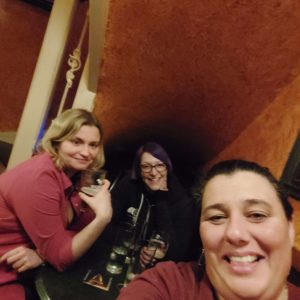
157	247
156	250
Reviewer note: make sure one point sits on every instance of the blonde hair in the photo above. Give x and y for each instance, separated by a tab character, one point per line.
64	127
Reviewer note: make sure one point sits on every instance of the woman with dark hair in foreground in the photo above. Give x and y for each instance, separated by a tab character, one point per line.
247	234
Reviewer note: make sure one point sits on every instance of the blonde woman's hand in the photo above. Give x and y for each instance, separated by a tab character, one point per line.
22	259
101	202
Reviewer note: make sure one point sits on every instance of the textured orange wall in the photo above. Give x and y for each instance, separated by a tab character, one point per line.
193	74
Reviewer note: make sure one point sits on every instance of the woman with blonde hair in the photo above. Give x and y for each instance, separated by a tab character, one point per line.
41	215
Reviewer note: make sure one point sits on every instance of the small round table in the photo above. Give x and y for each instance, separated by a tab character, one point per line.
69	285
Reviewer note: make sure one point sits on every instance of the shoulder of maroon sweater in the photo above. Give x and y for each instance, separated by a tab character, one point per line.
38	168
169	270
42	161
168	280
189	276
27	170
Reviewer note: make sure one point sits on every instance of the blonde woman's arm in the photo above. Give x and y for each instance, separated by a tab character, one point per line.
101	206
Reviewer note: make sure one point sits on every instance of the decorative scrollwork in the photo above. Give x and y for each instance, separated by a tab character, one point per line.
75	63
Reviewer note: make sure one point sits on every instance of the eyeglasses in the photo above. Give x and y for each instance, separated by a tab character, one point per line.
148	168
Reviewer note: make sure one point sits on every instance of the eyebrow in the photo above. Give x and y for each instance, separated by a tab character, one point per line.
149	164
218	206
82	140
248	202
258	201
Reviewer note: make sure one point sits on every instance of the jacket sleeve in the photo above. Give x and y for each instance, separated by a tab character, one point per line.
183	230
120	196
176	213
162	214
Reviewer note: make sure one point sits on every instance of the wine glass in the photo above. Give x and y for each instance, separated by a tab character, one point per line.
91	180
157	247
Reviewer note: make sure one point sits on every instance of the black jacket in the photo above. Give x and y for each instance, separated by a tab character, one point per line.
171	211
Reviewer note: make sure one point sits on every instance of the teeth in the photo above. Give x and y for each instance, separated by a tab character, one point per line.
245	259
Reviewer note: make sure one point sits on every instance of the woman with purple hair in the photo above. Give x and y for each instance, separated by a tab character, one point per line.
153	194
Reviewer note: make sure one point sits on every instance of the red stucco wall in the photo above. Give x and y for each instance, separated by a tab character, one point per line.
270	137
22	30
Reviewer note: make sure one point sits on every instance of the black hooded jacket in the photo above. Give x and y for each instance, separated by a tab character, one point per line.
171	211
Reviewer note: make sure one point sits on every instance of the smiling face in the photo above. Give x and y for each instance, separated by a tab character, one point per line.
246	236
156	178
79	152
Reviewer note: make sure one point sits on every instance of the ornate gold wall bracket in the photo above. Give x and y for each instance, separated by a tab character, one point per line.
74	63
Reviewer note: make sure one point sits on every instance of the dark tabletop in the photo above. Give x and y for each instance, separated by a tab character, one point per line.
69	285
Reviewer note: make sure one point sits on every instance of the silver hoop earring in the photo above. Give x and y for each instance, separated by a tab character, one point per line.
201	260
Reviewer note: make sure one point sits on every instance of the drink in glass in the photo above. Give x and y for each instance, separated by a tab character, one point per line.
117	259
157	247
121	248
91	180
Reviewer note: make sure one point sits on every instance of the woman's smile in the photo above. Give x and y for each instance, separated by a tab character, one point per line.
243	265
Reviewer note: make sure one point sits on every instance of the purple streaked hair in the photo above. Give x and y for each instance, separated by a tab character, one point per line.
154	149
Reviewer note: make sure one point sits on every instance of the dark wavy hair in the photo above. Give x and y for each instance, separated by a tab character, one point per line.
154	149
228	167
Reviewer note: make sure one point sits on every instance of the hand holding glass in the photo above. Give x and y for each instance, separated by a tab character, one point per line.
155	250
91	180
